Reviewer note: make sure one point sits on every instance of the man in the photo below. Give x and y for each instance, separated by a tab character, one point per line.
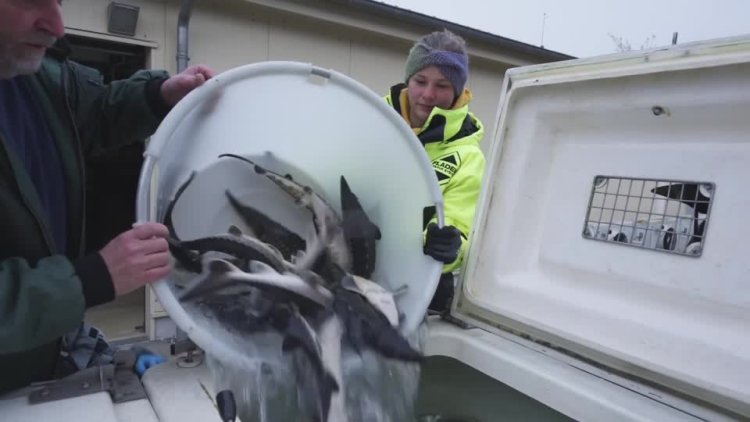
53	115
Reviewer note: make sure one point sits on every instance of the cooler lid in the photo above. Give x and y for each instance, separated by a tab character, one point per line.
613	215
315	124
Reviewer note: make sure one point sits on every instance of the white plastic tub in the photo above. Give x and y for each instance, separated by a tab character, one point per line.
317	125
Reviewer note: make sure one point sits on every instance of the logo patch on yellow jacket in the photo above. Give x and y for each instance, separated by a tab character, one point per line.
446	166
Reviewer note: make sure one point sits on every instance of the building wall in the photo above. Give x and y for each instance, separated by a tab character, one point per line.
229	33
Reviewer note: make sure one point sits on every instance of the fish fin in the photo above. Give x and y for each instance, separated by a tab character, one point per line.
221	266
235	231
348	283
359	231
350	202
328	387
330	382
377	333
391	344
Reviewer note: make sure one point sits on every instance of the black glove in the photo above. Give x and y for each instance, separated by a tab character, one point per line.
442	243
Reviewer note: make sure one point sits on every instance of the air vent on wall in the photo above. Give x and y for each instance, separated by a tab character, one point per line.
122	18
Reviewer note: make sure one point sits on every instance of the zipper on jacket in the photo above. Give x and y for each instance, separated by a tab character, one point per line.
79	156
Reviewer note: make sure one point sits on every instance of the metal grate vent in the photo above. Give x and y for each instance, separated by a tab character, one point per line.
663	215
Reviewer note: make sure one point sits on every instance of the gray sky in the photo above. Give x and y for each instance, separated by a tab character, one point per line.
581	27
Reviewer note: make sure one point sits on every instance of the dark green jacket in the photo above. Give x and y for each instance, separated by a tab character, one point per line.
43	294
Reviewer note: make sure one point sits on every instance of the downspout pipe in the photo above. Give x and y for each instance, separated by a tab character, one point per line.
183	26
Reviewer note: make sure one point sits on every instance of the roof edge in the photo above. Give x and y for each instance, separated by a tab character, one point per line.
410	16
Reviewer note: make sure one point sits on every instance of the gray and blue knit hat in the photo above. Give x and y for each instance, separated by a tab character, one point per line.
444	50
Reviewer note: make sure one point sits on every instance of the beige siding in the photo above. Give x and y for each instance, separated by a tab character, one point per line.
303	41
377	63
223	37
230	33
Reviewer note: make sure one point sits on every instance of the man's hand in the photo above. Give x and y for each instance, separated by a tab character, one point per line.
179	85
137	257
442	243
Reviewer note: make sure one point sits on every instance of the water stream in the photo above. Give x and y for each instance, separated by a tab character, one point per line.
266	388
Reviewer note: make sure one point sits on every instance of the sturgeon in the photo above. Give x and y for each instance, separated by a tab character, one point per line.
236	244
317	383
365	325
267	229
323	214
222	275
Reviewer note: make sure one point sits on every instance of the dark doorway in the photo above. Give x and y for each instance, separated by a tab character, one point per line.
111	186
112	177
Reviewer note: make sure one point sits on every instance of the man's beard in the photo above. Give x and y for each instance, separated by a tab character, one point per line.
11	67
14	60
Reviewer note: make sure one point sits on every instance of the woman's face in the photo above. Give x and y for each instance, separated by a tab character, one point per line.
426	89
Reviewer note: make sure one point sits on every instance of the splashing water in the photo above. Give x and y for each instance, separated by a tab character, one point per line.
376	389
379	389
263	392
264	381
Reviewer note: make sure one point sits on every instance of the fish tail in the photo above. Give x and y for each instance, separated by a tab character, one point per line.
392	345
328	387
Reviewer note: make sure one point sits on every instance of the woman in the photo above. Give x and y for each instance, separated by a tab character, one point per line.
435	103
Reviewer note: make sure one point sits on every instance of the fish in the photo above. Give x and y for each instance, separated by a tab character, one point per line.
359	231
323	214
302	262
380	298
330	336
188	259
242	249
267	229
223	277
366	326
236	244
316	382
248	310
170	206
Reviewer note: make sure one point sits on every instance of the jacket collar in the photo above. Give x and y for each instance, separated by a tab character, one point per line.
60	50
441	125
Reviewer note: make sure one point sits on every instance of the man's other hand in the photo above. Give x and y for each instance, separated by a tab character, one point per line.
179	85
137	257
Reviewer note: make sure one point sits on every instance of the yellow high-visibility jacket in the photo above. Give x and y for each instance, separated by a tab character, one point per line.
451	140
